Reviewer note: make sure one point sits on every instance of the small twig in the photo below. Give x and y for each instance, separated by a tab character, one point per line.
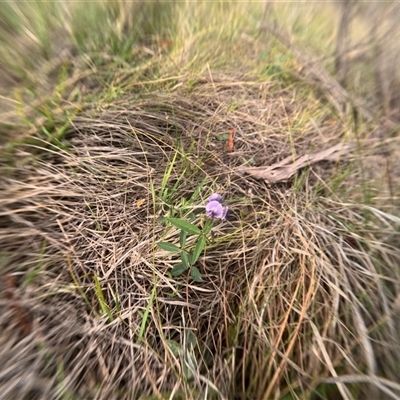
285	169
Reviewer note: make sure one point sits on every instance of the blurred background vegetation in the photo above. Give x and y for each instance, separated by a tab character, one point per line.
48	48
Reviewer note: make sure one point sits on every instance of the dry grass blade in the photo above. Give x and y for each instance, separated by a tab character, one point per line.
341	61
334	91
299	286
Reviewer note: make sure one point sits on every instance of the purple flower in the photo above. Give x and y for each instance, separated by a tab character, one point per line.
215	197
214	209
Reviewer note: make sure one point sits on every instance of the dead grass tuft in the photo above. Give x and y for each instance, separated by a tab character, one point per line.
301	284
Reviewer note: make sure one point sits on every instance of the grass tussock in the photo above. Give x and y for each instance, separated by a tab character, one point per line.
108	131
299	287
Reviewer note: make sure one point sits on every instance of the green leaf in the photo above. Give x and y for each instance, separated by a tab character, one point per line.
175	347
223	137
178	269
191	339
192	216
185	259
189	364
200	245
182	239
185	226
195	274
168	247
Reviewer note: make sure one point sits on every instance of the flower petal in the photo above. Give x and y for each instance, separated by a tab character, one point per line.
224	212
215	197
214	209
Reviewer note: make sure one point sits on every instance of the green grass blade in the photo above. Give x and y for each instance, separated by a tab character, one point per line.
207	227
146	315
167	175
197	190
102	301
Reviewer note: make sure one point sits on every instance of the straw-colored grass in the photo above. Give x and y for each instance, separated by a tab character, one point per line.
300	292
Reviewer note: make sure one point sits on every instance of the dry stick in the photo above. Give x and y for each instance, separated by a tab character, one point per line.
337	95
285	169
